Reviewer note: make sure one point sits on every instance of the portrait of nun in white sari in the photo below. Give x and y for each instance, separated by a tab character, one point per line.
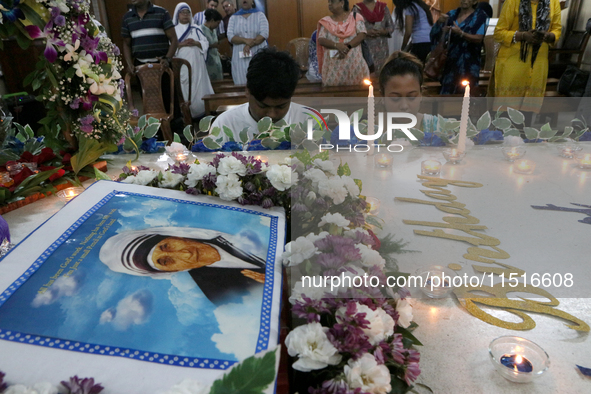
193	46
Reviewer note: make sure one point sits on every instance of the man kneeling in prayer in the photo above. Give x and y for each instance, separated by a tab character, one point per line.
271	80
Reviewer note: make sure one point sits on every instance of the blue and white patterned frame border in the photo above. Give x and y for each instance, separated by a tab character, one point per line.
169	359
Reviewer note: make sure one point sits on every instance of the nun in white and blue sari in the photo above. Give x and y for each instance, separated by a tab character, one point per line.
193	46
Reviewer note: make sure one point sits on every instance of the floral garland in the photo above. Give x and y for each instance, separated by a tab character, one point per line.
79	77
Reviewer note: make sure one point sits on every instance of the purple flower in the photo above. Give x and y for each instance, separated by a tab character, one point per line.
88	119
3	385
334	386
82	386
411	373
60	20
267	203
50	52
181	168
209	181
116	51
135	112
193	191
397	349
75	104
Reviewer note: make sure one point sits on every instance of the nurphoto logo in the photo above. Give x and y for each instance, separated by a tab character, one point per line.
344	122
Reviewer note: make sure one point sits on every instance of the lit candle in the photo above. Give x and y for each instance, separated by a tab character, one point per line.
513	153
69	193
453	156
525	167
516	362
464	118
370	115
262	158
430	167
374	204
180	157
382	160
584	160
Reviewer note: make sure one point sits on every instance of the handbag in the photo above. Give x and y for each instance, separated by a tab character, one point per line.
573	82
365	50
437	58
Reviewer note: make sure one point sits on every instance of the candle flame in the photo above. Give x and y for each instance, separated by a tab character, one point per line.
367	82
465	83
518	359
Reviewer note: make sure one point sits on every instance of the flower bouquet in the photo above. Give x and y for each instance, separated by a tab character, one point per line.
78	78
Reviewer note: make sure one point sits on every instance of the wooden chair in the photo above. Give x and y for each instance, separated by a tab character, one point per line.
491	49
150	76
574	45
185	105
298	47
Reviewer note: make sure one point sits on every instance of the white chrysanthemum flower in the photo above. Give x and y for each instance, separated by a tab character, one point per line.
170	180
313	288
231	165
310	343
333	188
325	165
334	218
315	237
298	251
228	187
316	175
404	309
281	177
142	178
37	388
353	233
370	257
512	140
351	186
197	172
367	374
188	386
381	325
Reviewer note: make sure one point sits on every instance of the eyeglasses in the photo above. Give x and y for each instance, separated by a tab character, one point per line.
186	12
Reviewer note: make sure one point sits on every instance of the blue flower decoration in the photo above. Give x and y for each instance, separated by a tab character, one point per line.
13	14
151	145
231	146
586	136
200	147
533	141
256	145
488	135
430	139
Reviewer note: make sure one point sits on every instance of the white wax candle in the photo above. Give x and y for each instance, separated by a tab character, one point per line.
371	118
464	118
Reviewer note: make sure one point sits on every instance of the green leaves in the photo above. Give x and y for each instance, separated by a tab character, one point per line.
264	124
205	123
515	116
502	123
484	121
210	143
547	132
531	133
251	376
188	133
99	175
152	129
89	150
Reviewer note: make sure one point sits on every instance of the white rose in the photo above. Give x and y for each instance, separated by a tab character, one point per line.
170	179
351	186
404	309
38	388
175	148
316	176
288	161
296	252
365	373
311	344
381	325
188	386
197	172
228	187
333	188
281	177
353	233
370	257
334	218
142	178
231	165
325	165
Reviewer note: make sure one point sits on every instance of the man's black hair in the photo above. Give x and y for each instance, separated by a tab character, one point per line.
211	14
273	74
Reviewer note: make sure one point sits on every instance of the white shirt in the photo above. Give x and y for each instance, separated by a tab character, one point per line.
238	118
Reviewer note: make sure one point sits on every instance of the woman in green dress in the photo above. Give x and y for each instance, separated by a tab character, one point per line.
213	62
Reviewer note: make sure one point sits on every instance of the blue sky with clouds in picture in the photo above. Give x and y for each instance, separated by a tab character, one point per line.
98	306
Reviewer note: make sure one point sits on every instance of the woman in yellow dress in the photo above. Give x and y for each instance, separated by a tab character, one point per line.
526	29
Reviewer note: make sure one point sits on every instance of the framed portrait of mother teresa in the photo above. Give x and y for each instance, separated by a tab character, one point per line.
147	276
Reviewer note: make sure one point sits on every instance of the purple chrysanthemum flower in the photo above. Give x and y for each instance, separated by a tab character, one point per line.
181	168
330	260
243	159
216	159
82	386
135	112
267	203
75	104
209	181
411	373
334	386
397	349
59	20
193	191
116	50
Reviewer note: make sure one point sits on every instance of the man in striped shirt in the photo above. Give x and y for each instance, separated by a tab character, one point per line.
199	19
148	35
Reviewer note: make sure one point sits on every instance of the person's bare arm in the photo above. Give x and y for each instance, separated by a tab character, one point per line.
408	22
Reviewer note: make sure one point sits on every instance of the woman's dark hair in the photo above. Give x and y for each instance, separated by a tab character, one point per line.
212	15
345	5
401	5
400	63
486	8
272	74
